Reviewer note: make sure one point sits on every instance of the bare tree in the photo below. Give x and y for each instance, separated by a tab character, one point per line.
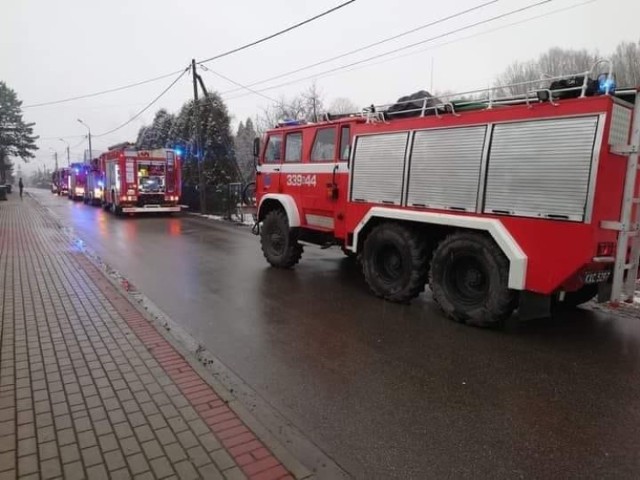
308	105
626	64
513	81
342	106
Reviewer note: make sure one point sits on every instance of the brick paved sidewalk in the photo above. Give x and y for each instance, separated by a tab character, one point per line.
88	387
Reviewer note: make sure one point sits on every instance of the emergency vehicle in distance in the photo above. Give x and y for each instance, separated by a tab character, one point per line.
137	181
527	202
60	181
95	184
77	181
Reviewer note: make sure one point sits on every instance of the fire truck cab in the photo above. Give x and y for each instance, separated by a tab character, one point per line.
527	202
137	181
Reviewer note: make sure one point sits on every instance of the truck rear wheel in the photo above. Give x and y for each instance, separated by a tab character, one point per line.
394	262
279	243
469	279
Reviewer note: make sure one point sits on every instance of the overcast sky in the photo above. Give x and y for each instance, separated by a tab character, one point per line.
51	50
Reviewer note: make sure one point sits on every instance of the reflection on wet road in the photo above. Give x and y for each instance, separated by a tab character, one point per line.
388	391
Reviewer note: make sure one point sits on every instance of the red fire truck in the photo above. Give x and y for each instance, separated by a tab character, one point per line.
77	181
95	184
527	202
62	179
137	181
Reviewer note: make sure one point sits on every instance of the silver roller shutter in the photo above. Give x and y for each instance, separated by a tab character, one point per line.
445	168
378	168
541	168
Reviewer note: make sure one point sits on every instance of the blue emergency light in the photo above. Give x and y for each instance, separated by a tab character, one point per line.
606	84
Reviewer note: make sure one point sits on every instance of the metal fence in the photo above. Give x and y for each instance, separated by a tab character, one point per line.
224	200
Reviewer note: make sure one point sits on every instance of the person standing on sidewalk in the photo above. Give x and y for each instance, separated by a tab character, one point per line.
21	187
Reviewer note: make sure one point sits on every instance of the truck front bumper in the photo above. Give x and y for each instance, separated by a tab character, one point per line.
151	209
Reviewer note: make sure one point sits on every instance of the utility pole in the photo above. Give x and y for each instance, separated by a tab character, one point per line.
89	130
198	139
236	168
68	153
55	156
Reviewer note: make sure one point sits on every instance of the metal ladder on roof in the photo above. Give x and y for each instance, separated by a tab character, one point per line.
627	260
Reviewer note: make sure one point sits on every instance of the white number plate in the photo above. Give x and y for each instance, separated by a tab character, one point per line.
597	277
301	180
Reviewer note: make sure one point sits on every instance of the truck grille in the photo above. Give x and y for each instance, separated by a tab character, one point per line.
150	199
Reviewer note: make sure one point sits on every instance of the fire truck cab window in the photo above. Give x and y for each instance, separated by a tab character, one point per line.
274	147
324	146
344	143
293	147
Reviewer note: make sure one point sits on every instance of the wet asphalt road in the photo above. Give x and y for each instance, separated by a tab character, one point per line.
388	391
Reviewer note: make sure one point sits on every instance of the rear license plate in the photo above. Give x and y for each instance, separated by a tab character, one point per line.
596	277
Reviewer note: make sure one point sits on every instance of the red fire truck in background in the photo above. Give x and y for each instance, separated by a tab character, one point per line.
527	202
61	180
93	194
77	181
137	181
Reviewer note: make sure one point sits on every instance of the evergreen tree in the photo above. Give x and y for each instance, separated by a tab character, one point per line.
16	136
244	149
219	166
156	135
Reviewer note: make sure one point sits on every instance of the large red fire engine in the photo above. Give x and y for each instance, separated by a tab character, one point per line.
526	202
138	181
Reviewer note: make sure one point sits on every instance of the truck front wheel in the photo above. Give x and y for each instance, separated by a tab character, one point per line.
469	279
394	262
279	243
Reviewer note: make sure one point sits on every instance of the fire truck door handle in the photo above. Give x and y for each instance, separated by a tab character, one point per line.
276	169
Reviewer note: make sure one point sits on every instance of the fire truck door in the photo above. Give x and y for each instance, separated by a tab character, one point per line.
320	186
269	173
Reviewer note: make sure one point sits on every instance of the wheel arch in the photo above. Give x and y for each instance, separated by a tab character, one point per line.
442	223
272	201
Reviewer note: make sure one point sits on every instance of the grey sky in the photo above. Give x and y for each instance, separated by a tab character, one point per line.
57	49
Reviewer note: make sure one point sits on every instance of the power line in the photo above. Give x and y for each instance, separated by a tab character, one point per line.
103	92
384	54
238	84
366	47
147	107
273	35
485	32
167	75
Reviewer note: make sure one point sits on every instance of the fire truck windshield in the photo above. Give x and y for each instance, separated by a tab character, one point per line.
151	184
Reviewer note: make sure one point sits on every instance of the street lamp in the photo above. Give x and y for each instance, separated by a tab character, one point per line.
89	130
68	154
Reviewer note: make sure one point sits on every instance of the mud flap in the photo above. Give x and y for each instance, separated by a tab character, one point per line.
533	306
604	292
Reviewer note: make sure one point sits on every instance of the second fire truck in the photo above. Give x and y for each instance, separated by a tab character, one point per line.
527	202
140	181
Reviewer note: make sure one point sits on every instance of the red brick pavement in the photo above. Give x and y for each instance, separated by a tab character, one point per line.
88	387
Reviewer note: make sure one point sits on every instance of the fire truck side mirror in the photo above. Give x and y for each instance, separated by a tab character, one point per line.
256	147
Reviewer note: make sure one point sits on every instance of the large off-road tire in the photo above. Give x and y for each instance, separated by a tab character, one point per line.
577	298
469	278
394	262
279	242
